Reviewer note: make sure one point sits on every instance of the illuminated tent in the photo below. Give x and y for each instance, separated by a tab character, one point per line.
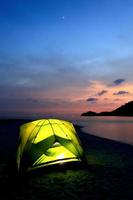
46	142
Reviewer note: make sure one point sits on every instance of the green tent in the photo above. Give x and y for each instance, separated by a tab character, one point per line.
46	142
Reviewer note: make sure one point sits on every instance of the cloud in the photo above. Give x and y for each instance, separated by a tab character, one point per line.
102	92
122	92
118	81
52	71
35	82
32	100
92	100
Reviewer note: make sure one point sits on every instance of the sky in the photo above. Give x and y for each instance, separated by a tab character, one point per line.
65	56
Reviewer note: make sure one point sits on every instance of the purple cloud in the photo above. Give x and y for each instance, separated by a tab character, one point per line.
102	92
122	92
91	99
118	81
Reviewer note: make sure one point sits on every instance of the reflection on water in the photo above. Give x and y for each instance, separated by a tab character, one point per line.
116	128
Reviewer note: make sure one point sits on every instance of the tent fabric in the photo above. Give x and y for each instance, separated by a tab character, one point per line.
46	142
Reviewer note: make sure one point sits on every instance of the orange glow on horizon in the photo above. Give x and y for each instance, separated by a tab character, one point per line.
74	101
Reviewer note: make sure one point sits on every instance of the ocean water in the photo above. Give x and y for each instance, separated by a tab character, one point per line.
116	128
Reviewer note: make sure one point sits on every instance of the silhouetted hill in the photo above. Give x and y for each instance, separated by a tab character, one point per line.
124	110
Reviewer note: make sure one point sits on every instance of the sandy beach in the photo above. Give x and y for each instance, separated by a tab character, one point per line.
108	173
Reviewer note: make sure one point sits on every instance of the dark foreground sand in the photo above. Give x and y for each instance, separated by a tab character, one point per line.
108	174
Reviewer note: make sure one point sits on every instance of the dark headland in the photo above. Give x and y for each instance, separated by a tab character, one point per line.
124	110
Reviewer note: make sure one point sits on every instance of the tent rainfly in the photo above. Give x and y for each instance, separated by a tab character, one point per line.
46	142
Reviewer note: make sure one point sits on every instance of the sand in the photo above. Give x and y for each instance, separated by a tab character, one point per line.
107	175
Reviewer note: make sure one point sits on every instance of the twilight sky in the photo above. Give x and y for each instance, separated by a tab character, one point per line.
65	56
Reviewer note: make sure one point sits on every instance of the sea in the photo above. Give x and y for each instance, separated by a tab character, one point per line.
115	128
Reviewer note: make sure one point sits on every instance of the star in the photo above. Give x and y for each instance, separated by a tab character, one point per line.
63	17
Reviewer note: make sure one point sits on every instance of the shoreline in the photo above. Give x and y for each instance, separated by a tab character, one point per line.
88	135
105	151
